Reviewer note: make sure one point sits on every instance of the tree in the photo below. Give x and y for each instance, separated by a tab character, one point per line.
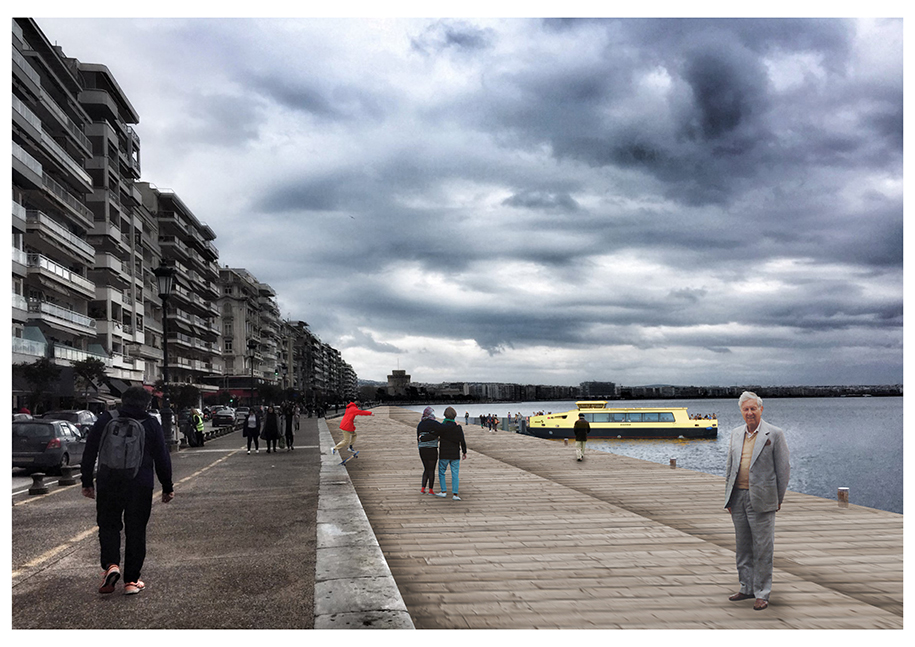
180	396
270	393
40	374
90	372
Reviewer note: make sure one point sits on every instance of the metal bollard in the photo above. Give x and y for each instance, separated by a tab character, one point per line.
66	476
843	497
673	463
38	486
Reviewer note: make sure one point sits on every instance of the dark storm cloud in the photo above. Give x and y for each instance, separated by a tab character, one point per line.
451	35
542	200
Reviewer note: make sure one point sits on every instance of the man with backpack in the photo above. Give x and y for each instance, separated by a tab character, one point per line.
130	448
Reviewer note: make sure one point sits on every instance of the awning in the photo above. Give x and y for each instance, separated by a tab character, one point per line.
117	386
103	399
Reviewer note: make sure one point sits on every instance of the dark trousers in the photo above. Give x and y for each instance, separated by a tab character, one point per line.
429	457
289	438
124	508
252	439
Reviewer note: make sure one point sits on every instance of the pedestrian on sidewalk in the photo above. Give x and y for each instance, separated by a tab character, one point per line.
451	449
427	442
289	421
252	429
582	429
197	422
756	480
123	497
348	427
271	430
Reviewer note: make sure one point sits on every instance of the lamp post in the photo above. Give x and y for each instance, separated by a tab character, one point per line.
165	278
252	348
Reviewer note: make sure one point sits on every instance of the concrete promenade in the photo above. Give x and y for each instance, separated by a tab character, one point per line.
542	541
260	541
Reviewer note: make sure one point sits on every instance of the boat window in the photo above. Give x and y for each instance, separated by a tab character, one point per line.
635	417
649	417
667	416
600	417
589	417
617	417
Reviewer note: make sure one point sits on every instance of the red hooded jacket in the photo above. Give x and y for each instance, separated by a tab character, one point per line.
348	422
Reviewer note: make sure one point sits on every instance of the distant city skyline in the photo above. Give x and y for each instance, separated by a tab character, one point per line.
686	201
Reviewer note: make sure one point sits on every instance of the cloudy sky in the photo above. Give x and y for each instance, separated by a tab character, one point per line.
543	201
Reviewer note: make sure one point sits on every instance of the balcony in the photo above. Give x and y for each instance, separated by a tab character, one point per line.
174	244
46	267
50	228
92	97
20	261
112	294
73	204
28	168
66	122
66	161
61	317
29	347
20	308
76	355
23	69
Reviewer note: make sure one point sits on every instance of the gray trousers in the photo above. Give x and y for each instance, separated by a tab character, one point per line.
755	533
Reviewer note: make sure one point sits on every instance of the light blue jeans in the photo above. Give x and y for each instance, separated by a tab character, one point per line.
455	464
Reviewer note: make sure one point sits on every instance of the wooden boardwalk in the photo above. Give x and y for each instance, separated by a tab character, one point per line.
543	541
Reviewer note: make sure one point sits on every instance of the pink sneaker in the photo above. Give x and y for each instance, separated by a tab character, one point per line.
109	578
132	588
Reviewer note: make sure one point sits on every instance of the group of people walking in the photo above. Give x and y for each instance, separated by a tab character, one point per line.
267	425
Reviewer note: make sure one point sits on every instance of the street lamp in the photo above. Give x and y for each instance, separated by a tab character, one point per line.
165	278
252	348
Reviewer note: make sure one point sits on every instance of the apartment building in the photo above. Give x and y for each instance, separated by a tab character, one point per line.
52	256
252	344
120	231
186	244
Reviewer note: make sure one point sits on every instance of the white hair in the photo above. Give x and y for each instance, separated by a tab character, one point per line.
748	395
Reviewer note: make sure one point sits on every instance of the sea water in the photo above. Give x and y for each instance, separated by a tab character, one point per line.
833	442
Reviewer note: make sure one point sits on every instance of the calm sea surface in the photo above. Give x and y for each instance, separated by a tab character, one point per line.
834	442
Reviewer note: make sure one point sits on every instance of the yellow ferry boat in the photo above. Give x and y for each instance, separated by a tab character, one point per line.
623	422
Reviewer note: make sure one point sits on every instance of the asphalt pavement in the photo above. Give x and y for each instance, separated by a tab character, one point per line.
259	541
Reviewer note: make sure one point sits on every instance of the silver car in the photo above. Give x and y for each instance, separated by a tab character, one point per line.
44	445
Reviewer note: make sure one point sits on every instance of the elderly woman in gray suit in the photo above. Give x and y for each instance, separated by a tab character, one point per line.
757	479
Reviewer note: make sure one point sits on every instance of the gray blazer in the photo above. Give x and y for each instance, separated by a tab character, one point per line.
769	467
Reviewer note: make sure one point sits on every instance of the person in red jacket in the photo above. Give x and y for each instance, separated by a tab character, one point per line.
348	426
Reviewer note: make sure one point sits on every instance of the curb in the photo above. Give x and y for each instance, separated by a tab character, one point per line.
354	588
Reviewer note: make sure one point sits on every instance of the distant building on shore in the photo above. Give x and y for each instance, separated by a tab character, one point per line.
596	390
398	383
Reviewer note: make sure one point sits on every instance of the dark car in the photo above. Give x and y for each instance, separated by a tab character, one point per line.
45	445
80	418
224	417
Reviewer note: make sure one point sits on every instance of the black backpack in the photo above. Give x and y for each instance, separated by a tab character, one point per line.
121	448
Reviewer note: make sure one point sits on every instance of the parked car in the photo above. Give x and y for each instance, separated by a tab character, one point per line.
80	418
224	417
46	445
21	416
241	413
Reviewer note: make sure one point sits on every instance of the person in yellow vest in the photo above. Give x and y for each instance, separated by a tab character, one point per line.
197	421
756	480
